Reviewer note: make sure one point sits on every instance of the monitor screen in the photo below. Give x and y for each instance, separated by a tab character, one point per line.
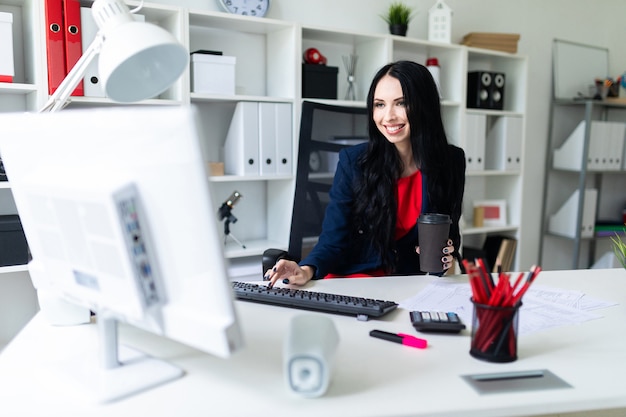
117	210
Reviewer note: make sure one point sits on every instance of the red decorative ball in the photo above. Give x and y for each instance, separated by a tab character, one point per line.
313	56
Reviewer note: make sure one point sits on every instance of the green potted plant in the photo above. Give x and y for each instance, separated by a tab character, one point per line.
398	17
619	247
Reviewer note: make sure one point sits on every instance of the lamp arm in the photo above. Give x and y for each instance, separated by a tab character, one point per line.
60	98
138	8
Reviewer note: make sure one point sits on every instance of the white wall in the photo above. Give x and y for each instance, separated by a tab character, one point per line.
597	22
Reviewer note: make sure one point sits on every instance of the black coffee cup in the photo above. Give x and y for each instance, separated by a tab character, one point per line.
433	229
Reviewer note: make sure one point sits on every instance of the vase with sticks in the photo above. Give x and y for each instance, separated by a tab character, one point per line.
349	63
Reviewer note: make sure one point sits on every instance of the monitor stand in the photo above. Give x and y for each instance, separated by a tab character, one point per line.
119	371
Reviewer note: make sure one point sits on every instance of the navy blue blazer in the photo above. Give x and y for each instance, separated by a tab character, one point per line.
340	251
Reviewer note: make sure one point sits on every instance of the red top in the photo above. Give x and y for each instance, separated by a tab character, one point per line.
409	203
409	197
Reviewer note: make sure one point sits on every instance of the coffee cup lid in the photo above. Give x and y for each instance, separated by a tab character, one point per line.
434	218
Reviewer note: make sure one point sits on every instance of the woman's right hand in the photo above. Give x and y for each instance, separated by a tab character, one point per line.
289	272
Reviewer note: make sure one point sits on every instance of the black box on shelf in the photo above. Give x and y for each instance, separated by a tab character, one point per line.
319	81
13	246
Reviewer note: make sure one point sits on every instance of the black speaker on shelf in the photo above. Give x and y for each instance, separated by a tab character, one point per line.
496	96
478	86
485	90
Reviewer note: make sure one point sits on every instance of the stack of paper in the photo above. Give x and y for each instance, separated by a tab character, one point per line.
506	42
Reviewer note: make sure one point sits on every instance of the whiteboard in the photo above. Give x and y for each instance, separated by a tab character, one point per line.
575	67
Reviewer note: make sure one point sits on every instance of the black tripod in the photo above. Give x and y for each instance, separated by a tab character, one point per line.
225	213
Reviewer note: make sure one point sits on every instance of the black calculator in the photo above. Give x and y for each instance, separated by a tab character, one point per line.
436	321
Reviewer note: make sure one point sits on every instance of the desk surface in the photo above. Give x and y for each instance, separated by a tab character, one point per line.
370	377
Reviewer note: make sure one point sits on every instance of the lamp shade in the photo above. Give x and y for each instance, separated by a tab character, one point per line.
138	60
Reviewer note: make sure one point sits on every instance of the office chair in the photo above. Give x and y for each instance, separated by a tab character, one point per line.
325	129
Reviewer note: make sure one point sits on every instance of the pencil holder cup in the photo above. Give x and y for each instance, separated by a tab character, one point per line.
494	332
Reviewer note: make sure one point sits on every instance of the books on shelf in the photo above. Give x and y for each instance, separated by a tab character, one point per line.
500	250
497	250
506	42
609	228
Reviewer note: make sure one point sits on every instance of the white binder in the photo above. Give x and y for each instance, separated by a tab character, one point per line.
606	147
241	148
284	139
474	141
563	222
598	139
89	29
503	146
268	131
617	146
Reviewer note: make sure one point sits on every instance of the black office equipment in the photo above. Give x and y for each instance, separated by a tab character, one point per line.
319	81
13	244
436	321
362	308
485	90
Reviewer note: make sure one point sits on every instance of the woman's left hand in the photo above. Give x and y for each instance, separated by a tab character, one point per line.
447	257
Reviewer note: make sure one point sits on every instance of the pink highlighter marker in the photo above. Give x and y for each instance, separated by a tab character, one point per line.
403	339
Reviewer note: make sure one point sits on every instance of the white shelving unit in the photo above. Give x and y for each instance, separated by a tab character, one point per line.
580	188
264	50
497	181
268	69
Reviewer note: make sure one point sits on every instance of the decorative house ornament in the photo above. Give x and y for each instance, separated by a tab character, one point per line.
439	22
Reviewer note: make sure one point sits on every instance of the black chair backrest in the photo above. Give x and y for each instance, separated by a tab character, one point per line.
324	130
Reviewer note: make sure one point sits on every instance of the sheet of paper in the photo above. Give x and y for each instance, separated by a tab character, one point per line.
542	307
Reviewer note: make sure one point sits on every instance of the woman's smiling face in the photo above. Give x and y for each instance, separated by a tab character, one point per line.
390	111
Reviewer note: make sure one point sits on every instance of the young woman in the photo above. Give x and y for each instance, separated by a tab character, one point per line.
380	187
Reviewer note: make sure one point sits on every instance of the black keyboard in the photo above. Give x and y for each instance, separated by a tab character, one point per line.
362	308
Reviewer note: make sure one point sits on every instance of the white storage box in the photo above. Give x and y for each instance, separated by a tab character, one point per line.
7	70
212	74
563	222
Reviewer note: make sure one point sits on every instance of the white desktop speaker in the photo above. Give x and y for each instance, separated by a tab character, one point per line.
309	349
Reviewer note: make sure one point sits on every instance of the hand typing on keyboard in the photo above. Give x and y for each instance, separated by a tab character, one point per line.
289	272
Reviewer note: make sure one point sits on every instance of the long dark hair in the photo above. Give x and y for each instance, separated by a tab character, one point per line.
375	209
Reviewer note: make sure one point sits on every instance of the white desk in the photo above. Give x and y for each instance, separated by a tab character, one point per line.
371	377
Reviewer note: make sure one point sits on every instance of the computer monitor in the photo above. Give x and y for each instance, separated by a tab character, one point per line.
116	207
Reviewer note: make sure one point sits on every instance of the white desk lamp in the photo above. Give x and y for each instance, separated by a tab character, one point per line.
138	60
